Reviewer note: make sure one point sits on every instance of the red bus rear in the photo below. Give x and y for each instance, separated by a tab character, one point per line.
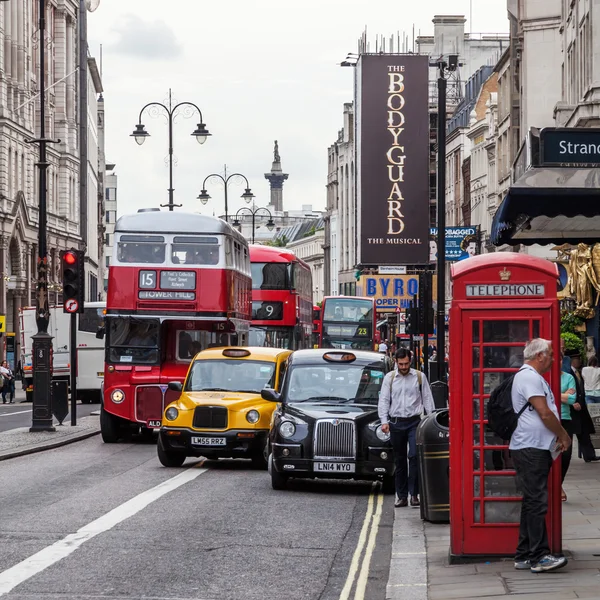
348	322
316	337
178	284
281	299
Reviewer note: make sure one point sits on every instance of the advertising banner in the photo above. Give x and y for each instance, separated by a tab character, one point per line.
393	159
461	243
391	292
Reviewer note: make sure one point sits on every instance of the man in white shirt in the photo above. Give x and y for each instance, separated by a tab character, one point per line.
538	432
383	348
404	395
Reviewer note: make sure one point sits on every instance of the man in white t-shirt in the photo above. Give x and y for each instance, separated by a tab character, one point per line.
538	432
383	347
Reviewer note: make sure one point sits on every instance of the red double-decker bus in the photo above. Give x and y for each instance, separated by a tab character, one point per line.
281	299
316	336
348	322
178	283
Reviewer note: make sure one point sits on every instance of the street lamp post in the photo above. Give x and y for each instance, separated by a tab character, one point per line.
253	213
444	65
42	340
140	133
204	196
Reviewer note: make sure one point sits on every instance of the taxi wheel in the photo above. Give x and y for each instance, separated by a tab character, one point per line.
278	481
259	461
169	459
388	485
110	428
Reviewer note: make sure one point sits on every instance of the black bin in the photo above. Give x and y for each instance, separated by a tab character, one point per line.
433	454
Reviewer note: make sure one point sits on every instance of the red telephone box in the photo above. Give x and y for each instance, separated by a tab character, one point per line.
500	301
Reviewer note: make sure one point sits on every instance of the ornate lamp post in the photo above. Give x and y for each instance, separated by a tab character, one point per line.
248	196
253	213
140	134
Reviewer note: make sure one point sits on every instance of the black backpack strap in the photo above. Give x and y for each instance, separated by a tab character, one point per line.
523	409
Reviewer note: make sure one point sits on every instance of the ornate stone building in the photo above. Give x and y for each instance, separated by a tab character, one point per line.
19	122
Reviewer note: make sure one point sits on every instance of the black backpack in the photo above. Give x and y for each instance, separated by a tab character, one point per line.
502	419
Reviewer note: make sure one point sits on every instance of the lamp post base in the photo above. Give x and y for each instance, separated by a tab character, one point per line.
42	383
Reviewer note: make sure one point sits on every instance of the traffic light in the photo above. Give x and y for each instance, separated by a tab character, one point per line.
410	323
73	280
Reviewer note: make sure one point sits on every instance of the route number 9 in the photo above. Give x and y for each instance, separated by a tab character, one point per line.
270	310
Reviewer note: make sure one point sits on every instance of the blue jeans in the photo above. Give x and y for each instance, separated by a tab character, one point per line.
592	399
403	434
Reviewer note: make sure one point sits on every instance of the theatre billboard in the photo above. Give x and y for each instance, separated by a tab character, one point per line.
393	159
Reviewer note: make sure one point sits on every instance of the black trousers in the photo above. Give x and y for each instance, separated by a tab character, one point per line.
565	457
533	467
403	435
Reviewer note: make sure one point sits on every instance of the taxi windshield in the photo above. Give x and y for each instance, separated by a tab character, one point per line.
230	375
334	383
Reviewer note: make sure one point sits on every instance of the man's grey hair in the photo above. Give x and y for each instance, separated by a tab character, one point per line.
535	347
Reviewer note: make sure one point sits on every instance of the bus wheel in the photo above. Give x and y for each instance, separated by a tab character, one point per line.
110	428
169	458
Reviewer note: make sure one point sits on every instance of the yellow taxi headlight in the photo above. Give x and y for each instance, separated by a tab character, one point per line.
171	413
252	416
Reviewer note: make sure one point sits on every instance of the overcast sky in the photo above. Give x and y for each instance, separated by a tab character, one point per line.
259	70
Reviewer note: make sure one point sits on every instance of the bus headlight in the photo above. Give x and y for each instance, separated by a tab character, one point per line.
252	416
384	437
117	396
171	413
287	429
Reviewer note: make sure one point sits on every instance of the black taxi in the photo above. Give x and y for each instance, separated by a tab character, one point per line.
326	424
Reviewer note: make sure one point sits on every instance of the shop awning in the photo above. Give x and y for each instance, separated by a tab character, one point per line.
550	205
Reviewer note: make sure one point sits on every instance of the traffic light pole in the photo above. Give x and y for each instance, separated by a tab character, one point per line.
42	340
74	356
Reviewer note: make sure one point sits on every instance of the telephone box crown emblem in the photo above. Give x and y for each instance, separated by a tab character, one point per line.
505	274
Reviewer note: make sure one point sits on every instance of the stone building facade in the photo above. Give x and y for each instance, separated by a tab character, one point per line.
19	122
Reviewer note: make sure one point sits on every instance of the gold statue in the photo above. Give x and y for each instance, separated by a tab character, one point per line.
583	279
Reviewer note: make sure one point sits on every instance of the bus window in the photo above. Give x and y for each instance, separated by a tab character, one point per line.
187	250
190	342
141	249
91	320
132	340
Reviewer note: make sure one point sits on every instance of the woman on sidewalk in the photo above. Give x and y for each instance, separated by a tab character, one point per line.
591	378
8	386
568	398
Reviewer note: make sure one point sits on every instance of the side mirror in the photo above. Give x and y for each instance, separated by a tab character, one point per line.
270	395
175	386
100	333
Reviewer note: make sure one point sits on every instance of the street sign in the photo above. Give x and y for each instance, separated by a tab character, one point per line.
71	306
569	147
391	270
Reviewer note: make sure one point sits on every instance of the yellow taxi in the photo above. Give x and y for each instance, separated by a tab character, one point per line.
220	412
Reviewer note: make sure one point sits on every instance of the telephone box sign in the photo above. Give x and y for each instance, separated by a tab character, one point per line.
518	290
393	159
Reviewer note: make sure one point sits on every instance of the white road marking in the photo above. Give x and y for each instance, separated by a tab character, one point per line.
50	555
10	414
362	538
363	578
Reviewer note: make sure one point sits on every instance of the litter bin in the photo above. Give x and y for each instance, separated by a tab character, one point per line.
433	453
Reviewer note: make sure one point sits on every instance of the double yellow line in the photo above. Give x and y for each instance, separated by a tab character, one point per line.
366	542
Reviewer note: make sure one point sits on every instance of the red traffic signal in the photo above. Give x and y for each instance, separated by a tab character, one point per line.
73	280
70	258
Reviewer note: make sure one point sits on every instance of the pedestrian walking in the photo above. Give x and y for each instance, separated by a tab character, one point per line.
591	380
8	386
405	393
568	399
583	425
538	434
383	347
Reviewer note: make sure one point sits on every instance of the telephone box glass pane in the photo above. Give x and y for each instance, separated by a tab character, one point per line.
491	439
505	331
492	380
536	330
477	512
476	384
476	414
502	512
476	364
499	486
476	332
502	357
476	435
493	460
476	486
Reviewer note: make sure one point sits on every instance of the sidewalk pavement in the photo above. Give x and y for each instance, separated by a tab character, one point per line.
20	441
420	570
